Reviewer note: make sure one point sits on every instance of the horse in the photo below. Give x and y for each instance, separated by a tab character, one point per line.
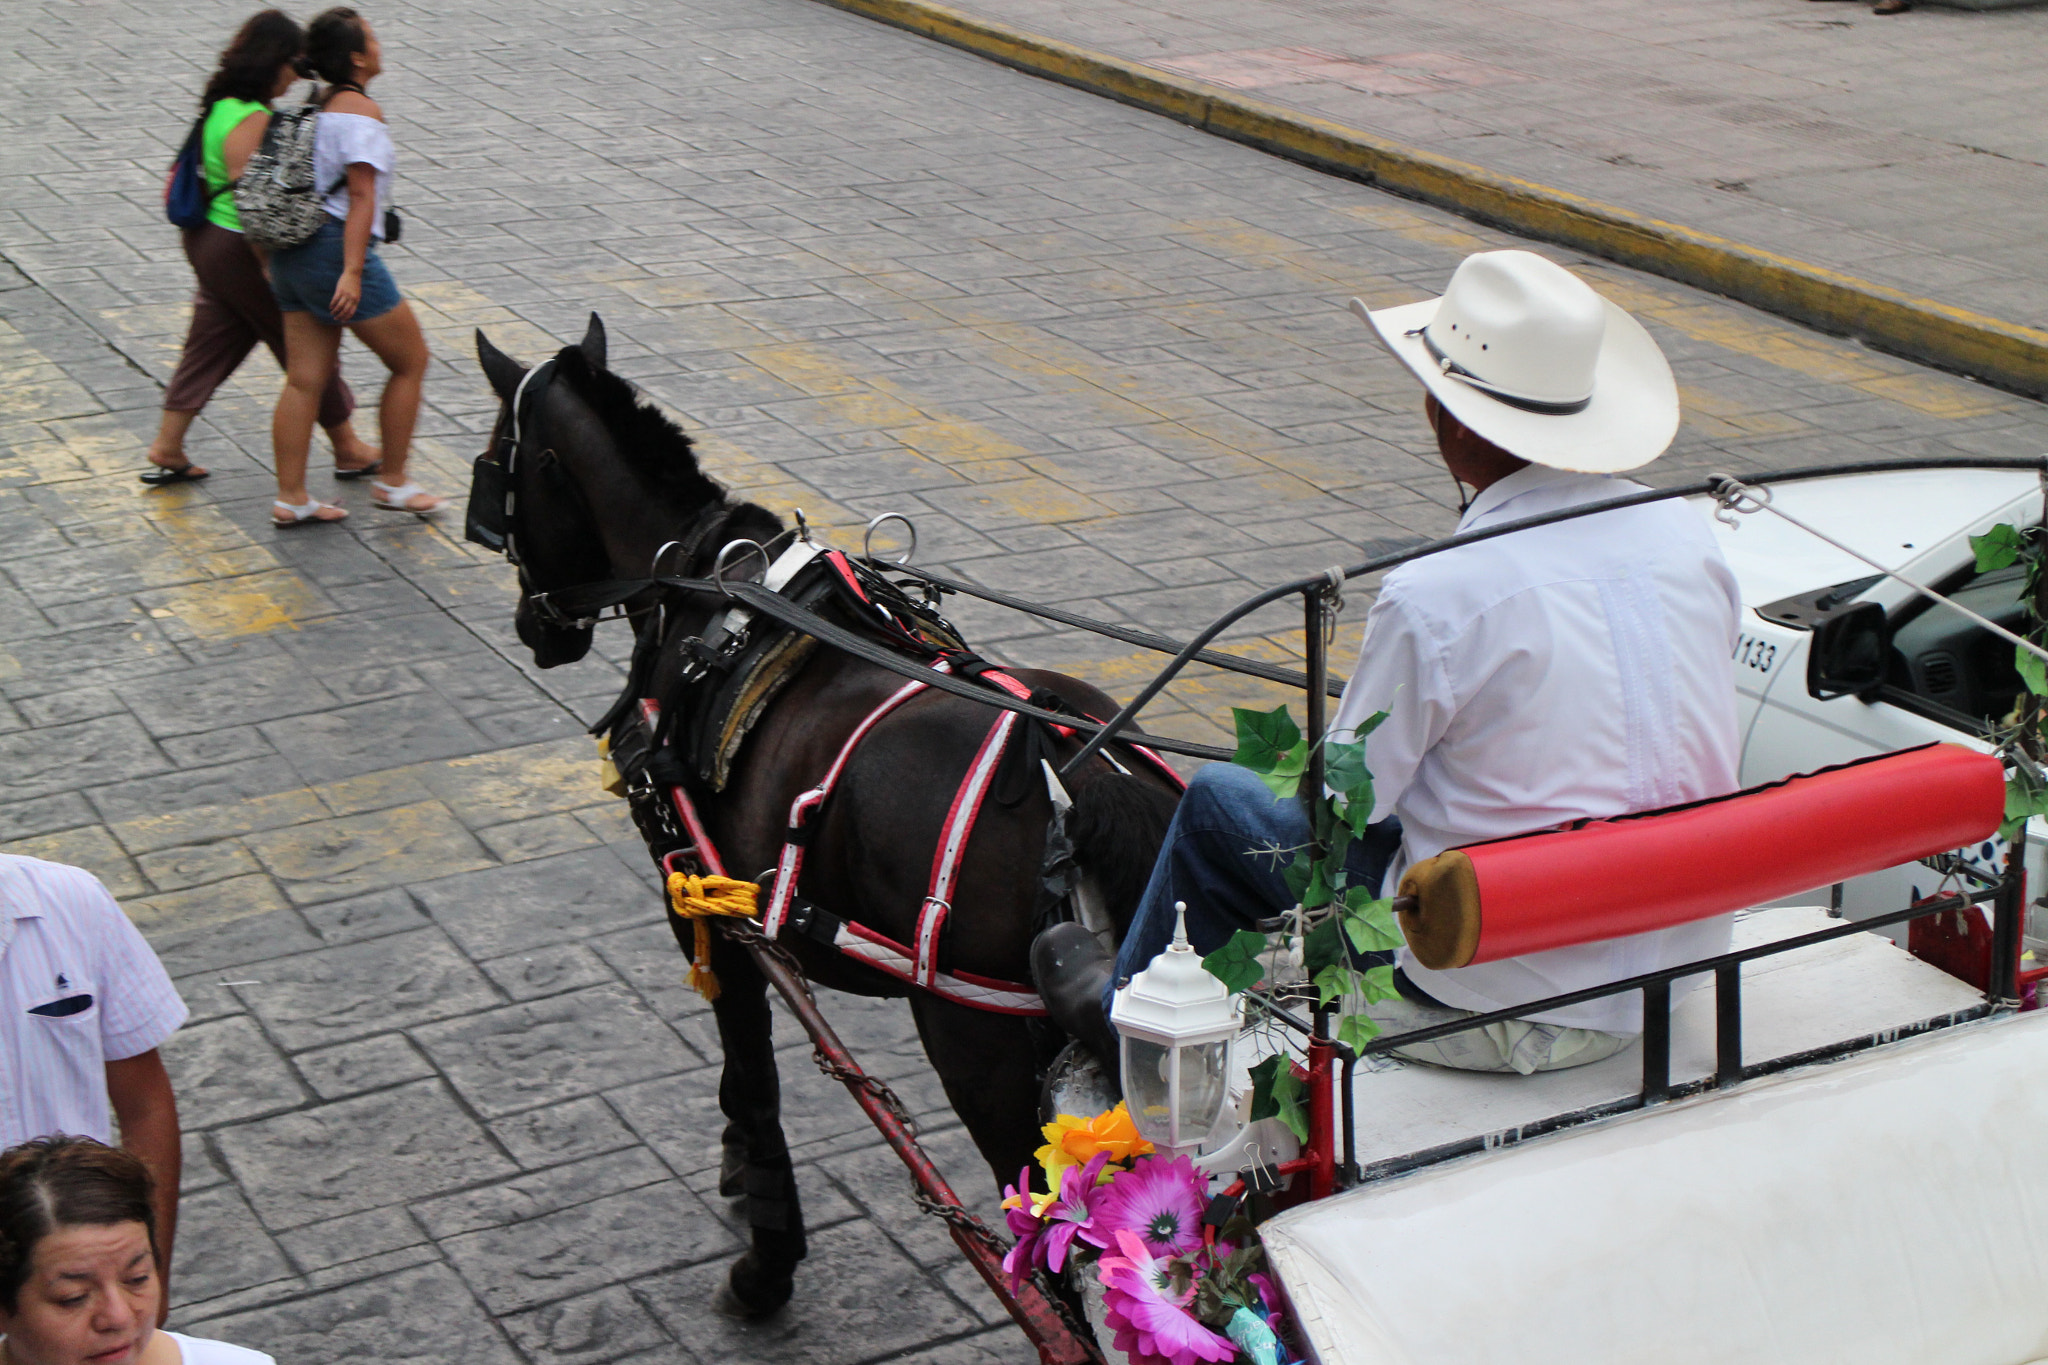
602	483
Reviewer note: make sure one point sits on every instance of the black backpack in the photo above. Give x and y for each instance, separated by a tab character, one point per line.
276	198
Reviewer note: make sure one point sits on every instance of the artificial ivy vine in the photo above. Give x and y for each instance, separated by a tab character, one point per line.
1332	919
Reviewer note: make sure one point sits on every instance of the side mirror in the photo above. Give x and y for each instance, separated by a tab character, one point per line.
1848	653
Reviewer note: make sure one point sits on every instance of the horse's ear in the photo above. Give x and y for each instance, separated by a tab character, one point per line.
592	344
502	370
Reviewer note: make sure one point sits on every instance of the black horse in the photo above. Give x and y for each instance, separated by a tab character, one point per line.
601	482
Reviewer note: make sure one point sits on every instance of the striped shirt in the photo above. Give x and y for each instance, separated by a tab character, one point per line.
78	988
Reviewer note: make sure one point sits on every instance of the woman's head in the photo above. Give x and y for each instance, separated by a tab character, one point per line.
250	65
341	48
78	1275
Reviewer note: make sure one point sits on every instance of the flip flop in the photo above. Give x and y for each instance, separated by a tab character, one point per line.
300	516
161	475
359	471
399	499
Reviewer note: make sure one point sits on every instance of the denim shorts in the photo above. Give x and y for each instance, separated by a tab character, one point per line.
303	278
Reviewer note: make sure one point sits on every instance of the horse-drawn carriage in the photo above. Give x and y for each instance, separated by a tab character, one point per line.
1835	1152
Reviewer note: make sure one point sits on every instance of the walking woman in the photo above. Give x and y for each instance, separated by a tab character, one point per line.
233	308
337	280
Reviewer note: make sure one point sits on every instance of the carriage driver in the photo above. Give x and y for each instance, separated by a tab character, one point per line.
1572	670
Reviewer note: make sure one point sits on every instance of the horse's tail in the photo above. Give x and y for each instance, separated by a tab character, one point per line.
1118	823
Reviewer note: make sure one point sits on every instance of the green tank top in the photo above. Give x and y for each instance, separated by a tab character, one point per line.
220	121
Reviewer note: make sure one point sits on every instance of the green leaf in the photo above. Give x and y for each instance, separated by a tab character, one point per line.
1264	737
1236	964
1377	983
1283	779
1997	547
1369	922
1295	877
1289	1106
1322	947
2023	799
1344	770
2033	670
1335	982
1318	892
1264	1106
1356	1030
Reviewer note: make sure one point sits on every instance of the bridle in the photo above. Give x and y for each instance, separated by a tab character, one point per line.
494	518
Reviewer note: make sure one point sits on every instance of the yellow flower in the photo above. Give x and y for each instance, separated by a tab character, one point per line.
1038	1201
1071	1141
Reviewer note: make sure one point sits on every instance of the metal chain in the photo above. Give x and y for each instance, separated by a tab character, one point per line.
745	933
970	1224
963	1219
873	1086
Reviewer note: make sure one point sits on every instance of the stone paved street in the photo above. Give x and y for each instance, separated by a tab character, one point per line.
449	1098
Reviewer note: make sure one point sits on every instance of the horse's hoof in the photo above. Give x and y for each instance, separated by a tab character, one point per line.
751	1292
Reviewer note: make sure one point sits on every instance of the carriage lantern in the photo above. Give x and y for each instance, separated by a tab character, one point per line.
1177	1024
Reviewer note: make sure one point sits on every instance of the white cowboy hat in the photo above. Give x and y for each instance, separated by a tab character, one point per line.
1526	355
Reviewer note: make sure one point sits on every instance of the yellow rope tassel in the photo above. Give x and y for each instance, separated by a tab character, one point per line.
698	899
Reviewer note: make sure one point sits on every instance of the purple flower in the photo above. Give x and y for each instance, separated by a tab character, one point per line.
1025	1226
1073	1213
1160	1199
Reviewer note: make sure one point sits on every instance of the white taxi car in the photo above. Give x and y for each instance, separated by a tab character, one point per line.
1836	662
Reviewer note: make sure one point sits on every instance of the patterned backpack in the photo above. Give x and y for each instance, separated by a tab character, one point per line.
276	198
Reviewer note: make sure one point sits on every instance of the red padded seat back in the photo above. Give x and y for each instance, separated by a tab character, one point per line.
1603	879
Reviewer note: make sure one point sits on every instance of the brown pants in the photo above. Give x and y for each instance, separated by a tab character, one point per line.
232	310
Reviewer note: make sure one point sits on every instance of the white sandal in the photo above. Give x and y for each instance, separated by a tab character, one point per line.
299	516
400	499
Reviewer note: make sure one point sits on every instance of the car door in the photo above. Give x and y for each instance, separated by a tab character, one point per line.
1947	679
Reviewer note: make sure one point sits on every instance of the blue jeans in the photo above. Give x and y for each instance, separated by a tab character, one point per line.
1215	858
303	278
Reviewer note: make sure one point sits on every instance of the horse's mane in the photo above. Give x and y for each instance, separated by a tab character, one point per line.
658	449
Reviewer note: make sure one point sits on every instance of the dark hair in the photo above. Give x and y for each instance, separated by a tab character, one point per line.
54	1182
332	38
249	63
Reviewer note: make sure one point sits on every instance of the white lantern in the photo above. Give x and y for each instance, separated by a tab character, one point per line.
1177	1024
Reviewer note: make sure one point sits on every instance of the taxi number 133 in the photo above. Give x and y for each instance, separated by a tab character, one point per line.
1754	653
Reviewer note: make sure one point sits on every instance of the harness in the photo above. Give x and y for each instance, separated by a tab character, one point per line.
662	778
732	672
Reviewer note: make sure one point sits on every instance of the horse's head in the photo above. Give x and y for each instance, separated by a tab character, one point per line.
598	480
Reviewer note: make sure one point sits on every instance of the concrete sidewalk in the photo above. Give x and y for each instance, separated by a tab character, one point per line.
1910	152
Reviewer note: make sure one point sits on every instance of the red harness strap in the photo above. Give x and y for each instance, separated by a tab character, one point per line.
917	964
791	865
938	901
1022	693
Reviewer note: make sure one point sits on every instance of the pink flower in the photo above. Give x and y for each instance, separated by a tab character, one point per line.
1150	1323
1073	1213
1160	1199
1025	1226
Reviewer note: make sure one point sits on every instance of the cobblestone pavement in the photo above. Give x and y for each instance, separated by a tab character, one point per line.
449	1098
1911	150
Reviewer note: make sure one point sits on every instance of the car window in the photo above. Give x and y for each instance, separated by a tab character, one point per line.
1961	673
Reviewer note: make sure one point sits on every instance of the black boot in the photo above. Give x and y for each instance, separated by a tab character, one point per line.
1071	968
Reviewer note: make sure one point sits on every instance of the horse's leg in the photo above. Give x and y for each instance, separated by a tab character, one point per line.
989	1065
750	1094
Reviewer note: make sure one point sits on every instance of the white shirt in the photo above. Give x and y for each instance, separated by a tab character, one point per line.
67	950
206	1351
1574	670
343	140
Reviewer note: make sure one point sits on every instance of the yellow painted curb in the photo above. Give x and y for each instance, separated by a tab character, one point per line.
2003	353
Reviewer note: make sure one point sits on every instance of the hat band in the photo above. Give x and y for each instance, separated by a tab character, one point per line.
1514	400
